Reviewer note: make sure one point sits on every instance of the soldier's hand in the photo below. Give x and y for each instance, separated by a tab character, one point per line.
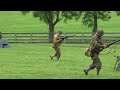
105	46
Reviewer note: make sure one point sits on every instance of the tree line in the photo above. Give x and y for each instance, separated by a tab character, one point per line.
90	18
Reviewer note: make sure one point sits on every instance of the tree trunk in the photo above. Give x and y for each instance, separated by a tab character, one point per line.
95	23
51	32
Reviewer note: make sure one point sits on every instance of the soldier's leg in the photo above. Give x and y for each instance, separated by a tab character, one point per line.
92	66
86	71
98	65
58	53
55	55
98	71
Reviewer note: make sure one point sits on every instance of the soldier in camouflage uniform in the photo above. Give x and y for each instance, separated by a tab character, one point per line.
56	45
96	47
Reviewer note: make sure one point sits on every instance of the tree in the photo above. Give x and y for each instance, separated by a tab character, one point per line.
90	18
51	18
69	15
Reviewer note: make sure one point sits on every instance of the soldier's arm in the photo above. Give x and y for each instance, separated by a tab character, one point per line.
58	40
96	44
102	44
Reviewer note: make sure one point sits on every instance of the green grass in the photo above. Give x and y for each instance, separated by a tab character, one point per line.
14	21
31	61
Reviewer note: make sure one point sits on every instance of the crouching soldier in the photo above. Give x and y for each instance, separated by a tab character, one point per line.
96	47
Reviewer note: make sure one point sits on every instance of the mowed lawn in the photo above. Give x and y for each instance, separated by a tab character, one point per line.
14	21
32	61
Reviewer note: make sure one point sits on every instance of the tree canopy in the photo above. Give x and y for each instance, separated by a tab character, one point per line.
51	18
90	18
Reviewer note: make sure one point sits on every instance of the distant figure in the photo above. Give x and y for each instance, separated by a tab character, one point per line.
0	35
96	47
3	43
56	45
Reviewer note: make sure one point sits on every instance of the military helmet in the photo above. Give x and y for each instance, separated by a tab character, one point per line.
60	32
100	32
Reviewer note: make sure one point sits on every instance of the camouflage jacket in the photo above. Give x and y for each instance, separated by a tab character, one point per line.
57	41
96	44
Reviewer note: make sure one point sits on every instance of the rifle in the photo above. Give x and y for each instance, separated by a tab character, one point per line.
108	45
112	43
88	52
118	59
62	38
66	37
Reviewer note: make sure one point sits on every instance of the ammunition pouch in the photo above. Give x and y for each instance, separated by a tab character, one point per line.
88	52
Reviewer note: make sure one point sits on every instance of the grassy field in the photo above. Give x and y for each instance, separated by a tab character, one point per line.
31	61
14	21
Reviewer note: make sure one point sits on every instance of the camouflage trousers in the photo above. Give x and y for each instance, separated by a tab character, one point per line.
57	51
96	62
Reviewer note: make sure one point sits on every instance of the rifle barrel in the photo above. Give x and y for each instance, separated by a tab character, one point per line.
113	43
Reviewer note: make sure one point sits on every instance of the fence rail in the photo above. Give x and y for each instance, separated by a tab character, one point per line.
74	37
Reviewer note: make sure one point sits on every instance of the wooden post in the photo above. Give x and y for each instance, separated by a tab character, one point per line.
31	37
82	37
15	37
65	36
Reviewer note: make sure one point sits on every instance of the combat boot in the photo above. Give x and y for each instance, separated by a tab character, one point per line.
57	58
98	71
86	71
51	57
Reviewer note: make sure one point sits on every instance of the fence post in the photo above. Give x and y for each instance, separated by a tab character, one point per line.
31	37
15	37
65	36
82	37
